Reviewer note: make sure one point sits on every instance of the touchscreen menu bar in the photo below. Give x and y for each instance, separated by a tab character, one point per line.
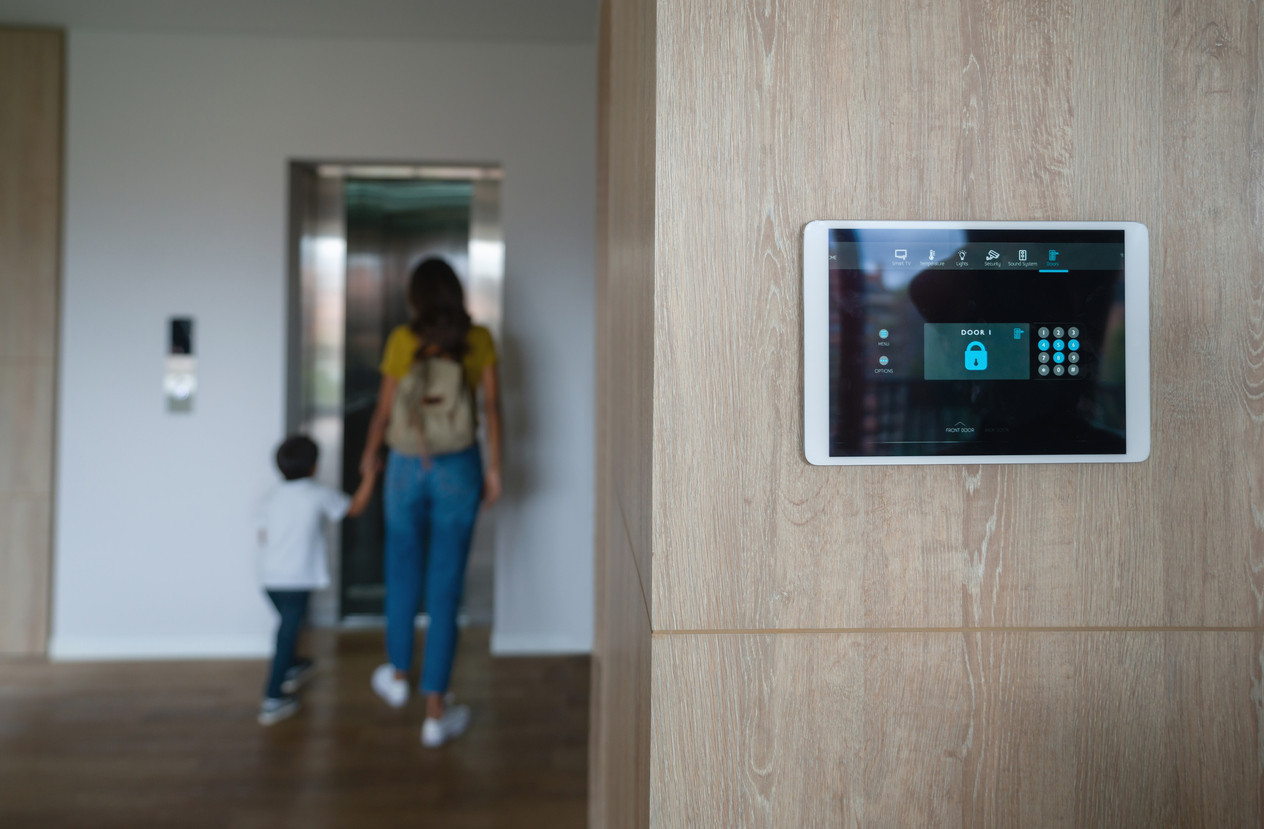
1008	256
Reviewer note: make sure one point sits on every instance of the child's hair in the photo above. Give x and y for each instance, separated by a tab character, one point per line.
296	457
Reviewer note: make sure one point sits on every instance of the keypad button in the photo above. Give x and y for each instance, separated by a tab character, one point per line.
1058	345
1059	357
1043	345
1057	333
1073	345
1073	331
1058	370
1044	371
1073	357
1043	356
1042	332
1073	370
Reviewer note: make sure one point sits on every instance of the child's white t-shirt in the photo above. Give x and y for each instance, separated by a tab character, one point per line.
293	554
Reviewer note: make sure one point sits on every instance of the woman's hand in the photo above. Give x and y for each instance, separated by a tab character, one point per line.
491	486
370	463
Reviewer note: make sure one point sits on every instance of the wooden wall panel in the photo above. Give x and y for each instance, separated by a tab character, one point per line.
597	766
628	319
619	775
31	92
954	729
772	115
621	791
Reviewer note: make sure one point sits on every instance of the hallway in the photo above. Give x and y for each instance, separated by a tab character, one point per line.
176	744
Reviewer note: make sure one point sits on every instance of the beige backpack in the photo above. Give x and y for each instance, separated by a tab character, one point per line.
433	411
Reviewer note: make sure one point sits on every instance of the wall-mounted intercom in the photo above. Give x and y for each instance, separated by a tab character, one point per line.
979	342
180	377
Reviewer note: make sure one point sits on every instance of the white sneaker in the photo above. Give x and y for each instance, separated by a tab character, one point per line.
298	676
274	709
452	724
393	691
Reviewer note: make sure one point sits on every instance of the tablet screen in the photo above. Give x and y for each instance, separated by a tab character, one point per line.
977	342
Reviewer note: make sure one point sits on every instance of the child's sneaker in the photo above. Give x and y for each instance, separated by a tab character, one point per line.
391	689
275	709
299	674
435	732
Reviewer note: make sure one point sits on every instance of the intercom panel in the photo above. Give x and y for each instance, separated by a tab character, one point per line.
998	342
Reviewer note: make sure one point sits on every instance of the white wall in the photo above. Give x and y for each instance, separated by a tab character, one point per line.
177	151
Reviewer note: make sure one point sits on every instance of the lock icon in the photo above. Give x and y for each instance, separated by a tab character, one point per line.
976	356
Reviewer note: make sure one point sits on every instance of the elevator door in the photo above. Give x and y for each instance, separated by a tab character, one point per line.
372	230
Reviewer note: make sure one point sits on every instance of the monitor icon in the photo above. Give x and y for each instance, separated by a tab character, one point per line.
901	253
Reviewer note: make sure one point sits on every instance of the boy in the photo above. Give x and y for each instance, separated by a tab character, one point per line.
293	561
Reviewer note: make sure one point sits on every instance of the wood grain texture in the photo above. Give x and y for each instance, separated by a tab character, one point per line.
619	775
628	316
771	114
161	744
31	93
597	768
1006	729
621	696
25	574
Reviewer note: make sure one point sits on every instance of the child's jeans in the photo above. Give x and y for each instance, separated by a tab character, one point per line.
292	605
430	506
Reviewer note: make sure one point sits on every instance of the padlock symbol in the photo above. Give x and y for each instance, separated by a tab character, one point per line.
976	356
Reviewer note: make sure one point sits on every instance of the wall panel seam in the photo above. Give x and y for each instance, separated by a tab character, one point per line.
954	630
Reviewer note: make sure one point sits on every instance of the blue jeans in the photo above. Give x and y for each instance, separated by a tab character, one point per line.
430	506
292	605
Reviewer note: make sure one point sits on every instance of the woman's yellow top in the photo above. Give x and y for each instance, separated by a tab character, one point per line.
402	345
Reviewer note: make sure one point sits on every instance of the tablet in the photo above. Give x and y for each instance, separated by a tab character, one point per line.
976	342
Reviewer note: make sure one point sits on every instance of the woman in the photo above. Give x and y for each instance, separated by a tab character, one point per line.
433	483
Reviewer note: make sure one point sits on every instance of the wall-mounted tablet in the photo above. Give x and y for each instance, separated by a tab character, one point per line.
976	342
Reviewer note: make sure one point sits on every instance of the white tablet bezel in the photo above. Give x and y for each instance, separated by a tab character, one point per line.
816	342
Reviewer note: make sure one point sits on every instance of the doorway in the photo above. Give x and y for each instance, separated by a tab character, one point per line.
356	231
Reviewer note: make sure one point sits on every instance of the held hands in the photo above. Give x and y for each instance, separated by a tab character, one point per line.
491	486
364	493
370	466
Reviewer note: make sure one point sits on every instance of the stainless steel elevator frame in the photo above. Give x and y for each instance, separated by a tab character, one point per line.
317	303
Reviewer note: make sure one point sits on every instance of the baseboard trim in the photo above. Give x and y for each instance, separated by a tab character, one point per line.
536	644
259	646
127	648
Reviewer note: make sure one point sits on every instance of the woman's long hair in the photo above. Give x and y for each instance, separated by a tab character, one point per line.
440	320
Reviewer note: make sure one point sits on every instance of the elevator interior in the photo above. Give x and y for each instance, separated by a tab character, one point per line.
356	231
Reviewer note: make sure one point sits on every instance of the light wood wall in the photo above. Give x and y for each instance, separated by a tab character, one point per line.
620	738
957	646
31	88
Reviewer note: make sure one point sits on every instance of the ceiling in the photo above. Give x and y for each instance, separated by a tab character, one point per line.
556	21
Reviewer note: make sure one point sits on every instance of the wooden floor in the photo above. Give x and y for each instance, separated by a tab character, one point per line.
176	744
